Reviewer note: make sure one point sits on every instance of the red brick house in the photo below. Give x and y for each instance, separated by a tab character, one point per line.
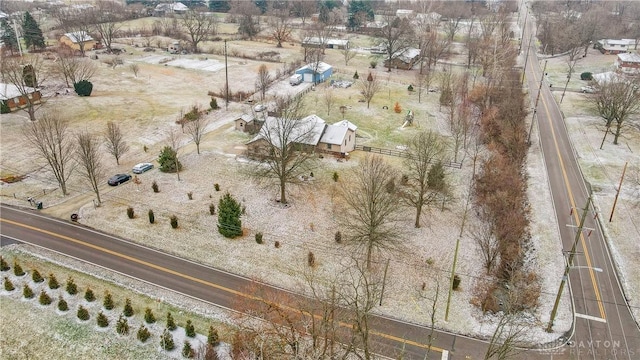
628	63
16	98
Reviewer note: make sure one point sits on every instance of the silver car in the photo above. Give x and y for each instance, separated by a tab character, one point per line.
142	167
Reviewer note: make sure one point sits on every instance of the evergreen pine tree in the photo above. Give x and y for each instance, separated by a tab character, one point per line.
128	309
122	326
72	288
102	320
171	324
148	316
27	292
32	33
83	314
44	298
62	304
17	269
229	210
166	341
187	351
167	160
53	282
143	334
213	338
189	329
36	277
3	264
108	301
8	285
88	295
8	36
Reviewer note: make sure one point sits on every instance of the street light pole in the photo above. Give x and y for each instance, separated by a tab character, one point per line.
565	276
226	77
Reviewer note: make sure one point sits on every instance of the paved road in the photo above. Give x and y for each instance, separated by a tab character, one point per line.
604	326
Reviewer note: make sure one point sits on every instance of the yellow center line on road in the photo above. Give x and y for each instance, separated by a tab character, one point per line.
572	201
207	283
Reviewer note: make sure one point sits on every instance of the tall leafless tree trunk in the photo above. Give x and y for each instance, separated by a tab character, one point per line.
199	26
74	69
280	26
107	17
286	155
616	101
263	81
114	140
369	87
395	37
425	149
196	129
89	157
53	142
371	211
329	98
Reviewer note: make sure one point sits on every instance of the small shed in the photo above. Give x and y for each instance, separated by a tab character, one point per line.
404	59
315	72
77	40
248	123
339	138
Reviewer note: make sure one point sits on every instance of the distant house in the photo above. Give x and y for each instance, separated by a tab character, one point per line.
315	72
14	98
339	138
170	8
311	134
404	59
404	13
316	42
613	47
78	39
248	123
628	63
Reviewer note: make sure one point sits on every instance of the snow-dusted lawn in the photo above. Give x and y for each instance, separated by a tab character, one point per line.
42	331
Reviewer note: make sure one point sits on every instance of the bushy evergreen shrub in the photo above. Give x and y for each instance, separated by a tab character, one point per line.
338	237
166	341
8	285
214	104
277	244
108	303
128	309
102	320
216	186
335	176
152	217
130	213
89	295
212	209
17	269
71	288
62	304
122	326
53	282
259	238
36	277
83	87
3	264
148	316
27	292
83	314
154	186
187	351
168	159
143	334
4	107
44	298
229	224
190	195
456	282
171	324
189	329
174	221
586	76
311	259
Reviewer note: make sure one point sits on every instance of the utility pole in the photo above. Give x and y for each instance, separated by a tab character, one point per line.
15	30
565	276
226	77
535	108
615	201
526	58
455	258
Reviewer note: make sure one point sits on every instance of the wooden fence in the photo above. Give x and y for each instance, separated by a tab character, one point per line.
402	153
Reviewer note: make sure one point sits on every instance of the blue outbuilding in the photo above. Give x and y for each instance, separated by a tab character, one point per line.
315	72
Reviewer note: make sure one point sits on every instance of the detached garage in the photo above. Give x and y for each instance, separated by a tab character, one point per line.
315	72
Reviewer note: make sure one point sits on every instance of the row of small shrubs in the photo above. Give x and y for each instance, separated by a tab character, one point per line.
156	189
173	220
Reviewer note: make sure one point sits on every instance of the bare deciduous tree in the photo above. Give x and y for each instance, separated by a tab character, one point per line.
51	138
484	235
135	69
616	100
198	26
196	129
329	98
74	69
369	87
263	81
114	140
425	150
508	338
89	158
285	152
371	211
107	16
77	25
395	36
280	26
13	72
347	54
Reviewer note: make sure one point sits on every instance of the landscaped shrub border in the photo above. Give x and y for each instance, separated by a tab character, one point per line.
84	281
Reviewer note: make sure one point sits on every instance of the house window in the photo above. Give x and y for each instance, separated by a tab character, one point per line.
349	138
345	141
329	146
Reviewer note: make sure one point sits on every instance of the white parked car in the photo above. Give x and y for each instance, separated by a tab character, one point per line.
260	107
142	167
588	89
